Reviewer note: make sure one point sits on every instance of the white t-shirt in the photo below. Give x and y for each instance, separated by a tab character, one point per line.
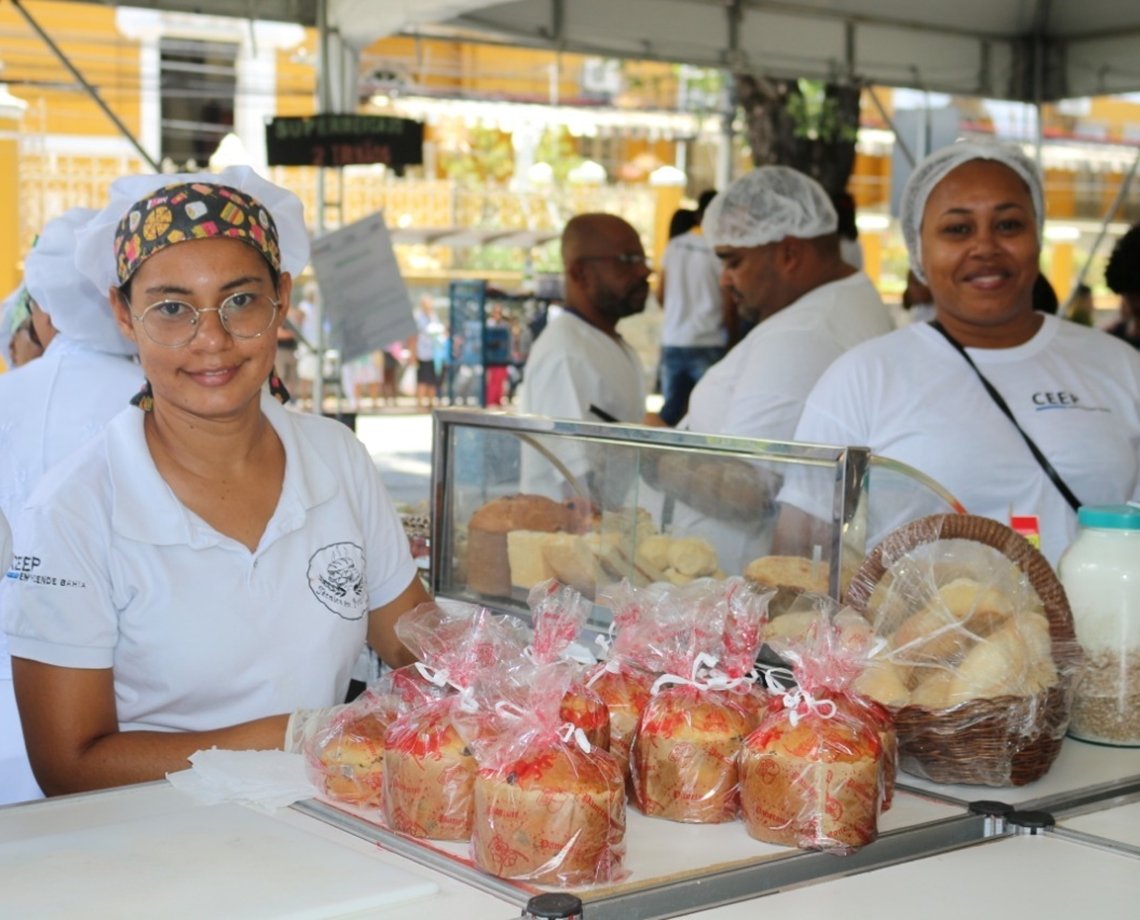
51	406
572	367
911	397
758	389
693	302
112	571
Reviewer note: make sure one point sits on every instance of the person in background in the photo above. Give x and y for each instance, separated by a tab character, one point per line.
775	233
429	332
580	367
917	300
18	340
972	217
210	565
1044	297
1081	307
850	249
1122	275
50	406
700	317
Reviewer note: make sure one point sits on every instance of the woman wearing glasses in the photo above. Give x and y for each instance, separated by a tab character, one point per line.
212	562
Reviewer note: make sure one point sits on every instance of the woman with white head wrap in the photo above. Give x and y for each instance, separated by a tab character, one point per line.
51	406
972	217
211	563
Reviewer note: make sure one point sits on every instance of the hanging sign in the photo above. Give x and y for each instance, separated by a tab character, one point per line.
344	140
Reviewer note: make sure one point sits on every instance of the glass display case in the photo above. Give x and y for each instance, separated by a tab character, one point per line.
519	499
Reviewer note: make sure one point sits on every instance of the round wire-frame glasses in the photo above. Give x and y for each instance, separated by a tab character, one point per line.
174	323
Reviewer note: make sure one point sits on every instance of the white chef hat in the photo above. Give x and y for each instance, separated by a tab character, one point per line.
934	169
78	309
767	205
95	253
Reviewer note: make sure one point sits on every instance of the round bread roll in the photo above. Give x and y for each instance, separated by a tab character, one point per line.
884	682
997	666
791	576
933	635
932	690
692	557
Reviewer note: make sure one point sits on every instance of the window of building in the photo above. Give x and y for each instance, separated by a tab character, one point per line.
198	83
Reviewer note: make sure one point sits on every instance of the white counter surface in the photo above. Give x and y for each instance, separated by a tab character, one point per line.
137	839
1042	877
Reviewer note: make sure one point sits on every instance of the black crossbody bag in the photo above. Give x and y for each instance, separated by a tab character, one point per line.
1073	501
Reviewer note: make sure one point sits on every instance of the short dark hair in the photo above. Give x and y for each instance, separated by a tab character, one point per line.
704	198
1122	274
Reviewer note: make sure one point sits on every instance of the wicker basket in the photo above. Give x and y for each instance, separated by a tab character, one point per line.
1003	741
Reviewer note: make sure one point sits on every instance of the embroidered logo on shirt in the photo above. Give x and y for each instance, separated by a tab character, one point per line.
336	578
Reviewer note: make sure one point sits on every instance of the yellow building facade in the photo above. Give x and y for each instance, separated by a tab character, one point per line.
59	150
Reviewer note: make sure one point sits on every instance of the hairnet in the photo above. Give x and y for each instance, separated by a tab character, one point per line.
934	169
78	310
95	254
767	205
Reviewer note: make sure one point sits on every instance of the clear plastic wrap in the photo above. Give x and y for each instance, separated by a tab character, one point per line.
549	806
559	613
978	656
683	757
344	757
813	775
429	770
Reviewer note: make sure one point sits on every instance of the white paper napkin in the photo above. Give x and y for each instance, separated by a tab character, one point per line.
268	779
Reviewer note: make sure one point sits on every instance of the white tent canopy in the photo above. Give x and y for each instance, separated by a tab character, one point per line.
1029	50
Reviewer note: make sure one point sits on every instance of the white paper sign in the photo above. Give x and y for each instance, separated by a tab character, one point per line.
363	296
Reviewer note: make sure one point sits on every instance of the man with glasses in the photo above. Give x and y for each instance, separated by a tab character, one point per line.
580	367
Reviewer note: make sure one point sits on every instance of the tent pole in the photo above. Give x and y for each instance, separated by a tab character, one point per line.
324	105
891	124
1121	194
87	87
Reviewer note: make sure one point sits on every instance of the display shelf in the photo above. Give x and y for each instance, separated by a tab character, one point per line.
627	483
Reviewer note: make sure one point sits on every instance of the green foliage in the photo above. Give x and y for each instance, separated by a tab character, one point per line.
817	115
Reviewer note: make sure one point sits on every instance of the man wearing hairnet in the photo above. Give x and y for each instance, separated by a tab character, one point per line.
775	231
48	408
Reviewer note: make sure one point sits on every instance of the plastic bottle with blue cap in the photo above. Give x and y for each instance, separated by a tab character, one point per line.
1101	575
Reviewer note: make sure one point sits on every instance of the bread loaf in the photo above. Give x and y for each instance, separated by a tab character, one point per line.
488	561
555	816
684	755
428	775
351	760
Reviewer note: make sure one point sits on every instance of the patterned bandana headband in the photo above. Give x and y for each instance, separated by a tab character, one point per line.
192	211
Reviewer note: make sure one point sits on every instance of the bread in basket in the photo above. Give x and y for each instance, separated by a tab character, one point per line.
979	654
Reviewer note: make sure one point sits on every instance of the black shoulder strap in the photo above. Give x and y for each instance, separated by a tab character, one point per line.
1073	501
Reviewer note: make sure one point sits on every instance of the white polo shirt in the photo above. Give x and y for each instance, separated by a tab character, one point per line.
111	571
